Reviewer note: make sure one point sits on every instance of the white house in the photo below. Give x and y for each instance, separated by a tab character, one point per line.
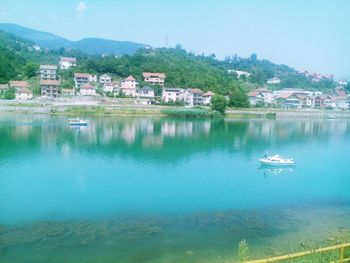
187	96
207	97
67	62
273	81
68	92
105	78
239	73
129	86
261	95
92	78
154	78
171	94
23	94
87	90
108	87
146	92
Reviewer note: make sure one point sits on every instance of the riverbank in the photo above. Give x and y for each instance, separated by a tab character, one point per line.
128	107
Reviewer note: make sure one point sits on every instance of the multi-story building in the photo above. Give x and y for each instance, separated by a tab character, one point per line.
81	79
50	88
48	72
154	78
87	90
171	94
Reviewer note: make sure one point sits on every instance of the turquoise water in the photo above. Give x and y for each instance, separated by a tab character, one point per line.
164	190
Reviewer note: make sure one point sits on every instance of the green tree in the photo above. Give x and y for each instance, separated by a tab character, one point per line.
9	94
31	69
239	99
219	103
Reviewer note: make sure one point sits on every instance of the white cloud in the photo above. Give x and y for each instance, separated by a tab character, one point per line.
81	7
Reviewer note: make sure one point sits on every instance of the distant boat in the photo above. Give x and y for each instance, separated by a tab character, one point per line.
276	160
331	117
77	122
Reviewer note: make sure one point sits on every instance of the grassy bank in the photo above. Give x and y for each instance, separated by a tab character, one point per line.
195	113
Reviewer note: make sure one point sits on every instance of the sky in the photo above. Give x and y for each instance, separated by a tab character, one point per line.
305	34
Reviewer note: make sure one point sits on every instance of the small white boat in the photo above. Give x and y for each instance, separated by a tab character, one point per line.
77	122
276	160
331	117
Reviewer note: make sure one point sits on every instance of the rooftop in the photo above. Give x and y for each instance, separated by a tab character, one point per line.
81	75
18	84
51	82
153	75
68	59
51	67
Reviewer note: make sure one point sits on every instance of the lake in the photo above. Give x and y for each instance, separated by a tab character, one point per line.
146	189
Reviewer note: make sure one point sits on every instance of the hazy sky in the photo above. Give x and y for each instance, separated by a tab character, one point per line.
305	34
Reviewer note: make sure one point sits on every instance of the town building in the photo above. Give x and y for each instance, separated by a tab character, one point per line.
68	92
50	88
67	62
108	87
92	78
207	97
146	92
154	78
48	72
171	94
18	84
273	81
187	97
197	96
260	96
129	86
81	79
239	73
105	78
87	90
23	94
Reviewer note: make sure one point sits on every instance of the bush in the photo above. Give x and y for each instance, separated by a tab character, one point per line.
193	113
219	103
9	94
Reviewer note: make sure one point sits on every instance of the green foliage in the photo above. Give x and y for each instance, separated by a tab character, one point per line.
9	94
192	113
243	251
10	65
219	103
239	99
31	69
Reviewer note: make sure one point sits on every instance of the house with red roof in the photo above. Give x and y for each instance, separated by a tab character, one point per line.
154	78
50	88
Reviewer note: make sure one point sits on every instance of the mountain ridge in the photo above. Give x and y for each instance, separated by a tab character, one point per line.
91	45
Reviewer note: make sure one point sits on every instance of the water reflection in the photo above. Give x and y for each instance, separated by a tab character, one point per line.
125	136
272	171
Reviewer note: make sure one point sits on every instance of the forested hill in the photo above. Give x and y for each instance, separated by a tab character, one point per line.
19	60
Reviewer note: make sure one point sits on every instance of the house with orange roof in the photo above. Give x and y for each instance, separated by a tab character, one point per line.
154	78
23	94
17	84
197	96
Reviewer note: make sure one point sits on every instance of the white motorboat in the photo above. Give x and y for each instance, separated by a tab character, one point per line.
276	160
77	122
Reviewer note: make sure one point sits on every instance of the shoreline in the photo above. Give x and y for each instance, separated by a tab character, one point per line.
103	108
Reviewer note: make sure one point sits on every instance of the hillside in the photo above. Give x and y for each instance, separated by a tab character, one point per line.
91	46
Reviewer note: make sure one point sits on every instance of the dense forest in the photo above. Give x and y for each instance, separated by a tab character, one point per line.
19	60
